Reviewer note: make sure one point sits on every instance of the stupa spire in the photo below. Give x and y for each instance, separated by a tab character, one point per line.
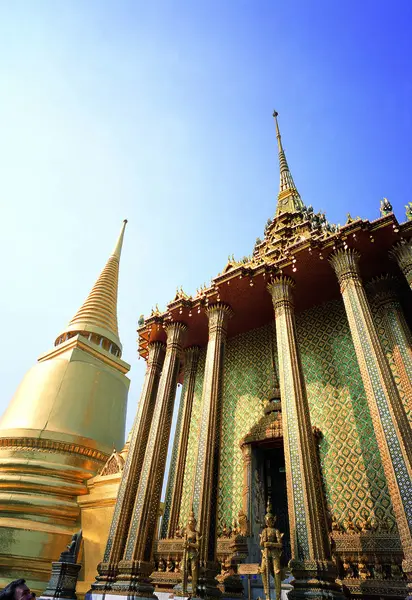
289	199
98	313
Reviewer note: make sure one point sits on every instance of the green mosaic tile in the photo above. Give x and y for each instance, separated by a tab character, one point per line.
350	461
192	441
351	466
249	377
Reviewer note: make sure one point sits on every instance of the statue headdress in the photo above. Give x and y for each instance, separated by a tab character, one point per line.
192	518
269	514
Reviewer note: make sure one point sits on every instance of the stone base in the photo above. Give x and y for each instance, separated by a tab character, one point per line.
125	595
207	586
314	579
63	581
231	586
257	591
179	593
375	588
130	580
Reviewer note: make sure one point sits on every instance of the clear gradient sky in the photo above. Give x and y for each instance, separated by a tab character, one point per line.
160	112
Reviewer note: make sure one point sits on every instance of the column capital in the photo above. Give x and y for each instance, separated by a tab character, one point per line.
402	253
382	290
156	351
191	358
175	332
218	315
346	264
191	351
281	290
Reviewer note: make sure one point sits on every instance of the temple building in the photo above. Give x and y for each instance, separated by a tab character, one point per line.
296	367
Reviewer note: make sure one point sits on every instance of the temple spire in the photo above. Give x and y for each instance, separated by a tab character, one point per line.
118	247
289	199
98	313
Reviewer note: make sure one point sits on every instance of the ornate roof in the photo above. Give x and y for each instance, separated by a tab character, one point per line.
296	242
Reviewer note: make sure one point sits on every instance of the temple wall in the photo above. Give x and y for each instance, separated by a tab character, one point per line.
192	442
97	509
249	378
351	466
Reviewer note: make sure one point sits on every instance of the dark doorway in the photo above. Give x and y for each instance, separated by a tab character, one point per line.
275	488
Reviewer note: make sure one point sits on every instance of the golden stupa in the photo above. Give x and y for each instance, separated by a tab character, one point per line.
59	431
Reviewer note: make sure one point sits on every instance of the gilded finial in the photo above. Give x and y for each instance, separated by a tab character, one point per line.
289	199
385	207
279	138
98	313
118	247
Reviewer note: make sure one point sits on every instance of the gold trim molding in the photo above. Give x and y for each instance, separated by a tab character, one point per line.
42	445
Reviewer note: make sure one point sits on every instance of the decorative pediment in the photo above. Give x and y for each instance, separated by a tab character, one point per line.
181	295
229	266
268	427
114	464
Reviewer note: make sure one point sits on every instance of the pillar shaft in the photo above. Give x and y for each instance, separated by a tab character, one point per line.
170	520
390	422
307	515
247	481
207	465
383	294
137	446
146	505
402	253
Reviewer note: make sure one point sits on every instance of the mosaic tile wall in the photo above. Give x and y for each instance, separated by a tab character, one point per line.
190	465
351	465
248	379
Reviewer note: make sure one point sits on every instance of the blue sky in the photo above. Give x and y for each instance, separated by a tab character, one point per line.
160	112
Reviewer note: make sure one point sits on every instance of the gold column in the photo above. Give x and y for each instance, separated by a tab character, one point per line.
390	422
311	566
205	488
247	481
383	294
402	253
170	520
134	569
307	515
133	467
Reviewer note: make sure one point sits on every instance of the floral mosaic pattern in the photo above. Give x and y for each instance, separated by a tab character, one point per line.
249	377
351	465
192	442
